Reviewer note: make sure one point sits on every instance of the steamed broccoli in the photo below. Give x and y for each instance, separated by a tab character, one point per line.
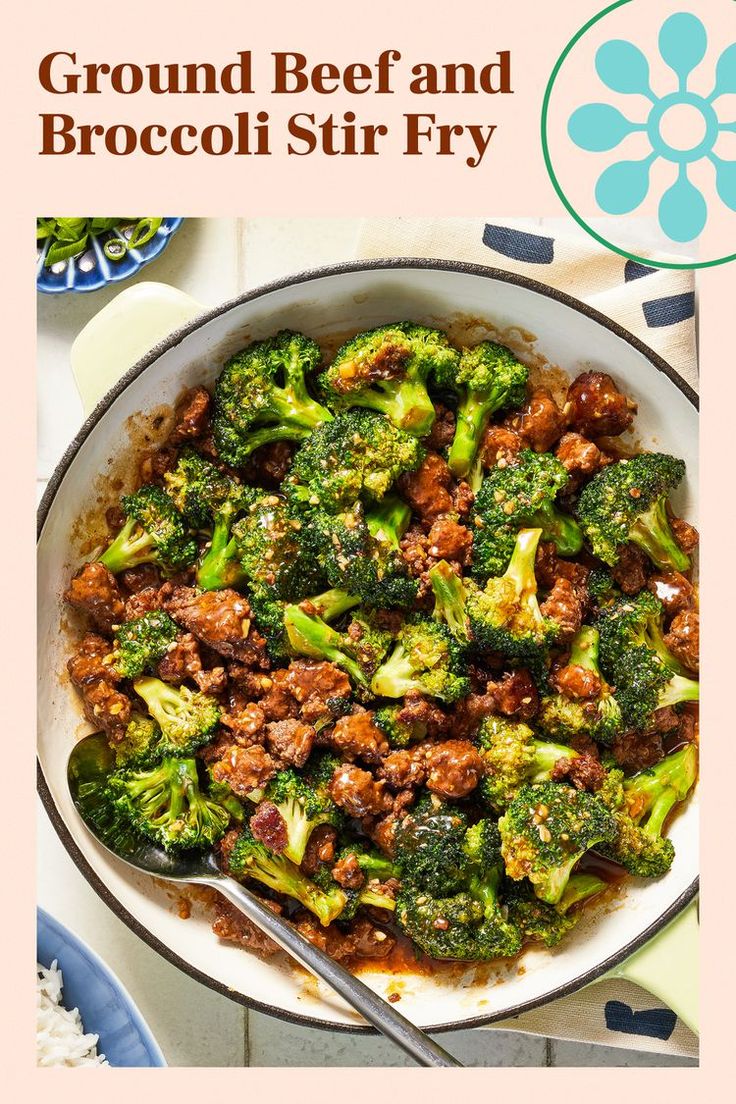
360	551
210	499
154	532
302	807
505	616
549	924
449	600
430	848
371	894
488	378
309	634
165	804
187	718
641	805
627	501
141	743
262	396
469	923
359	455
520	495
387	369
563	718
514	757
374	865
272	552
546	829
427	658
141	642
636	660
251	859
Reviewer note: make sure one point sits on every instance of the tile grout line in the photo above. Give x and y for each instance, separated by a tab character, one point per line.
246	1037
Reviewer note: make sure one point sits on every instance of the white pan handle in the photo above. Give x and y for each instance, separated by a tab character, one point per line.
667	967
125	330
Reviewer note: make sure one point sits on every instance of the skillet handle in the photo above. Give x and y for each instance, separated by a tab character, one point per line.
667	967
125	330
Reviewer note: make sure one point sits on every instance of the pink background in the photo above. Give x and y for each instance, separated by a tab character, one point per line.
512	181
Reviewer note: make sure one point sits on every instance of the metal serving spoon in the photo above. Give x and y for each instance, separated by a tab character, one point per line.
91	761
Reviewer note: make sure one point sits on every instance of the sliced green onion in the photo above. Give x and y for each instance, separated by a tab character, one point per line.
115	249
68	237
143	231
62	251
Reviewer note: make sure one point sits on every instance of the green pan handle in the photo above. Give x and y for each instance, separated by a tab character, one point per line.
667	967
126	329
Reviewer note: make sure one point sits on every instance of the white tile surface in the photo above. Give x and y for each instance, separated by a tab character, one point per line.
272	1043
212	260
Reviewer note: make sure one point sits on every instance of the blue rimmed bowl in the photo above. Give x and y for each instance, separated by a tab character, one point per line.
105	1006
92	270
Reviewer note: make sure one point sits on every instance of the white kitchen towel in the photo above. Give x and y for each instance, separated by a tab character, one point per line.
658	306
655	304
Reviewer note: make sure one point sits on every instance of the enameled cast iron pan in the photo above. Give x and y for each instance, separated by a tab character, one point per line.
325	303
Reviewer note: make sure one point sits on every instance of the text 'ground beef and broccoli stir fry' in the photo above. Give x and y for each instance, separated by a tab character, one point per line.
414	648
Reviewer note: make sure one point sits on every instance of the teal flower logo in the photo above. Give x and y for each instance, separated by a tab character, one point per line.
601	127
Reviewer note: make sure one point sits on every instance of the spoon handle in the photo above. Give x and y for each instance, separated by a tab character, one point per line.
373	1008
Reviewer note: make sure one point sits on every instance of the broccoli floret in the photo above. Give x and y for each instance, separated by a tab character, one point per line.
223	795
187	718
141	744
514	757
520	495
505	616
310	635
272	552
359	551
449	600
627	501
165	804
470	923
399	732
153	533
251	859
430	846
387	369
636	660
602	587
641	805
546	830
564	718
261	396
374	865
302	807
359	455
142	642
210	499
425	658
489	378
549	924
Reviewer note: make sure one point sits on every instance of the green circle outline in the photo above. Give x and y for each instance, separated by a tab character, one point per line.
553	176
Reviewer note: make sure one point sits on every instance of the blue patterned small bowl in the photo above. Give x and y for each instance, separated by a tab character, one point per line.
106	1008
92	270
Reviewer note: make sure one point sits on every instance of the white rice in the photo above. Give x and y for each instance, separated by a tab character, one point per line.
60	1037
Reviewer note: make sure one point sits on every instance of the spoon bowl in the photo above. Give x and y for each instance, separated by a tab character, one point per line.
88	768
